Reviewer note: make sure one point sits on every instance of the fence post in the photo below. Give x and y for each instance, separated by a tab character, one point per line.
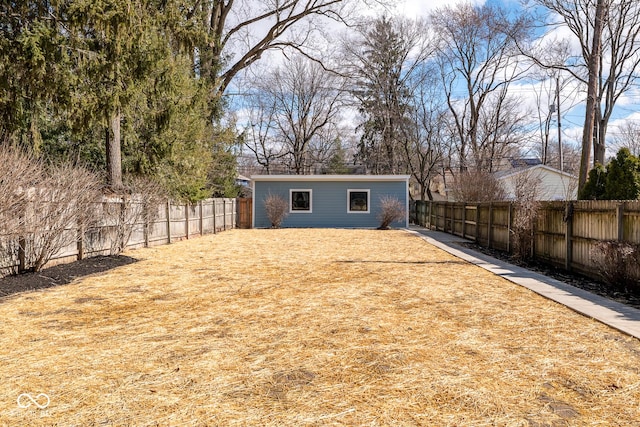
145	230
201	212
215	230
186	219
509	224
224	214
168	221
234	213
490	224
464	219
477	230
80	243
620	221
568	236
444	218
22	254
453	218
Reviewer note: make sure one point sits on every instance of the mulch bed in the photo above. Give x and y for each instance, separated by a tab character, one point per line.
61	274
577	280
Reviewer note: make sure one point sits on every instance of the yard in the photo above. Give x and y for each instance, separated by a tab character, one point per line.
308	327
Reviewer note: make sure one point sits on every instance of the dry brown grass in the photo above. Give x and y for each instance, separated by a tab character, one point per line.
309	327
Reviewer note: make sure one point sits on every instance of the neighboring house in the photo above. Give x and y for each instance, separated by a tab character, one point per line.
351	201
549	183
243	181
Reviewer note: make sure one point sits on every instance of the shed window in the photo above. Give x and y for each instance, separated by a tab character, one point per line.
358	201
300	200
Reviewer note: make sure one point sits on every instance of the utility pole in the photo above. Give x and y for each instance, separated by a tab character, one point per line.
594	65
559	123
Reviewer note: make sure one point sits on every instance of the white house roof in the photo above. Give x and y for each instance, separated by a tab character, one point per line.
508	173
347	178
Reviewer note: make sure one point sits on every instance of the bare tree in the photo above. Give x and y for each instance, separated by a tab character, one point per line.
242	31
618	58
501	130
300	108
424	134
260	136
477	58
548	85
628	135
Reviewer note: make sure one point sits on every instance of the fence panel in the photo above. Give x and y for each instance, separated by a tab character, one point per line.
565	233
122	220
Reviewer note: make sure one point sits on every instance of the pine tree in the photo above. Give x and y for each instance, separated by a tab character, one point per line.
383	97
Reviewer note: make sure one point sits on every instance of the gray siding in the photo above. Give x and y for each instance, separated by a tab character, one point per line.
329	203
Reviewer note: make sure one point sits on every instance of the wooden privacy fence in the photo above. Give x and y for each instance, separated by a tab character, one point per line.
130	227
564	233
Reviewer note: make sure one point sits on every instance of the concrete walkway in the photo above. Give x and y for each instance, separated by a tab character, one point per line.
617	315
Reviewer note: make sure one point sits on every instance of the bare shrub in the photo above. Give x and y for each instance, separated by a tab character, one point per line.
60	207
276	207
617	263
133	210
527	206
21	174
477	186
391	209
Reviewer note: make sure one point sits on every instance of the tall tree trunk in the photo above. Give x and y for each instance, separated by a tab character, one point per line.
114	156
592	88
599	146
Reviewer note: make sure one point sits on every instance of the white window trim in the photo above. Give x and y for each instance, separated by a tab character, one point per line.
359	190
291	210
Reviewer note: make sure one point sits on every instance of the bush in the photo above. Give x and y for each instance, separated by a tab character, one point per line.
391	209
62	205
276	207
527	188
618	264
477	186
24	173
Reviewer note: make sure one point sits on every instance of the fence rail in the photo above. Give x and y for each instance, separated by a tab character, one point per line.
564	233
171	222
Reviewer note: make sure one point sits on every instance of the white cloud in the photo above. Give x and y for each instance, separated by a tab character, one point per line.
421	8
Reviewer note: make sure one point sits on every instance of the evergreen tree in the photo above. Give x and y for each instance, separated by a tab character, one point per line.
619	181
594	189
383	96
622	181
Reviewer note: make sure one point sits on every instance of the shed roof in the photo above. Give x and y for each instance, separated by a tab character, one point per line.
342	178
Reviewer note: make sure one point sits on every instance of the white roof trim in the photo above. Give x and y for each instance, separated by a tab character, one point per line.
343	178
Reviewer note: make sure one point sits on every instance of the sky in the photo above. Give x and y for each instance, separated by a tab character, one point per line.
572	98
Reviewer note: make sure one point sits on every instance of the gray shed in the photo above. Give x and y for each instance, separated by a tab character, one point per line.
329	201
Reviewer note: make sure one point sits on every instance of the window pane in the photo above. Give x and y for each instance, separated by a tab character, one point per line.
300	200
358	201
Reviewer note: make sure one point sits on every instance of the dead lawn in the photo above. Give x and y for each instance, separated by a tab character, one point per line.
309	327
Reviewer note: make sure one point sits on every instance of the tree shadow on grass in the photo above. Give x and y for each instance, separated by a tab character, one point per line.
60	274
403	262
